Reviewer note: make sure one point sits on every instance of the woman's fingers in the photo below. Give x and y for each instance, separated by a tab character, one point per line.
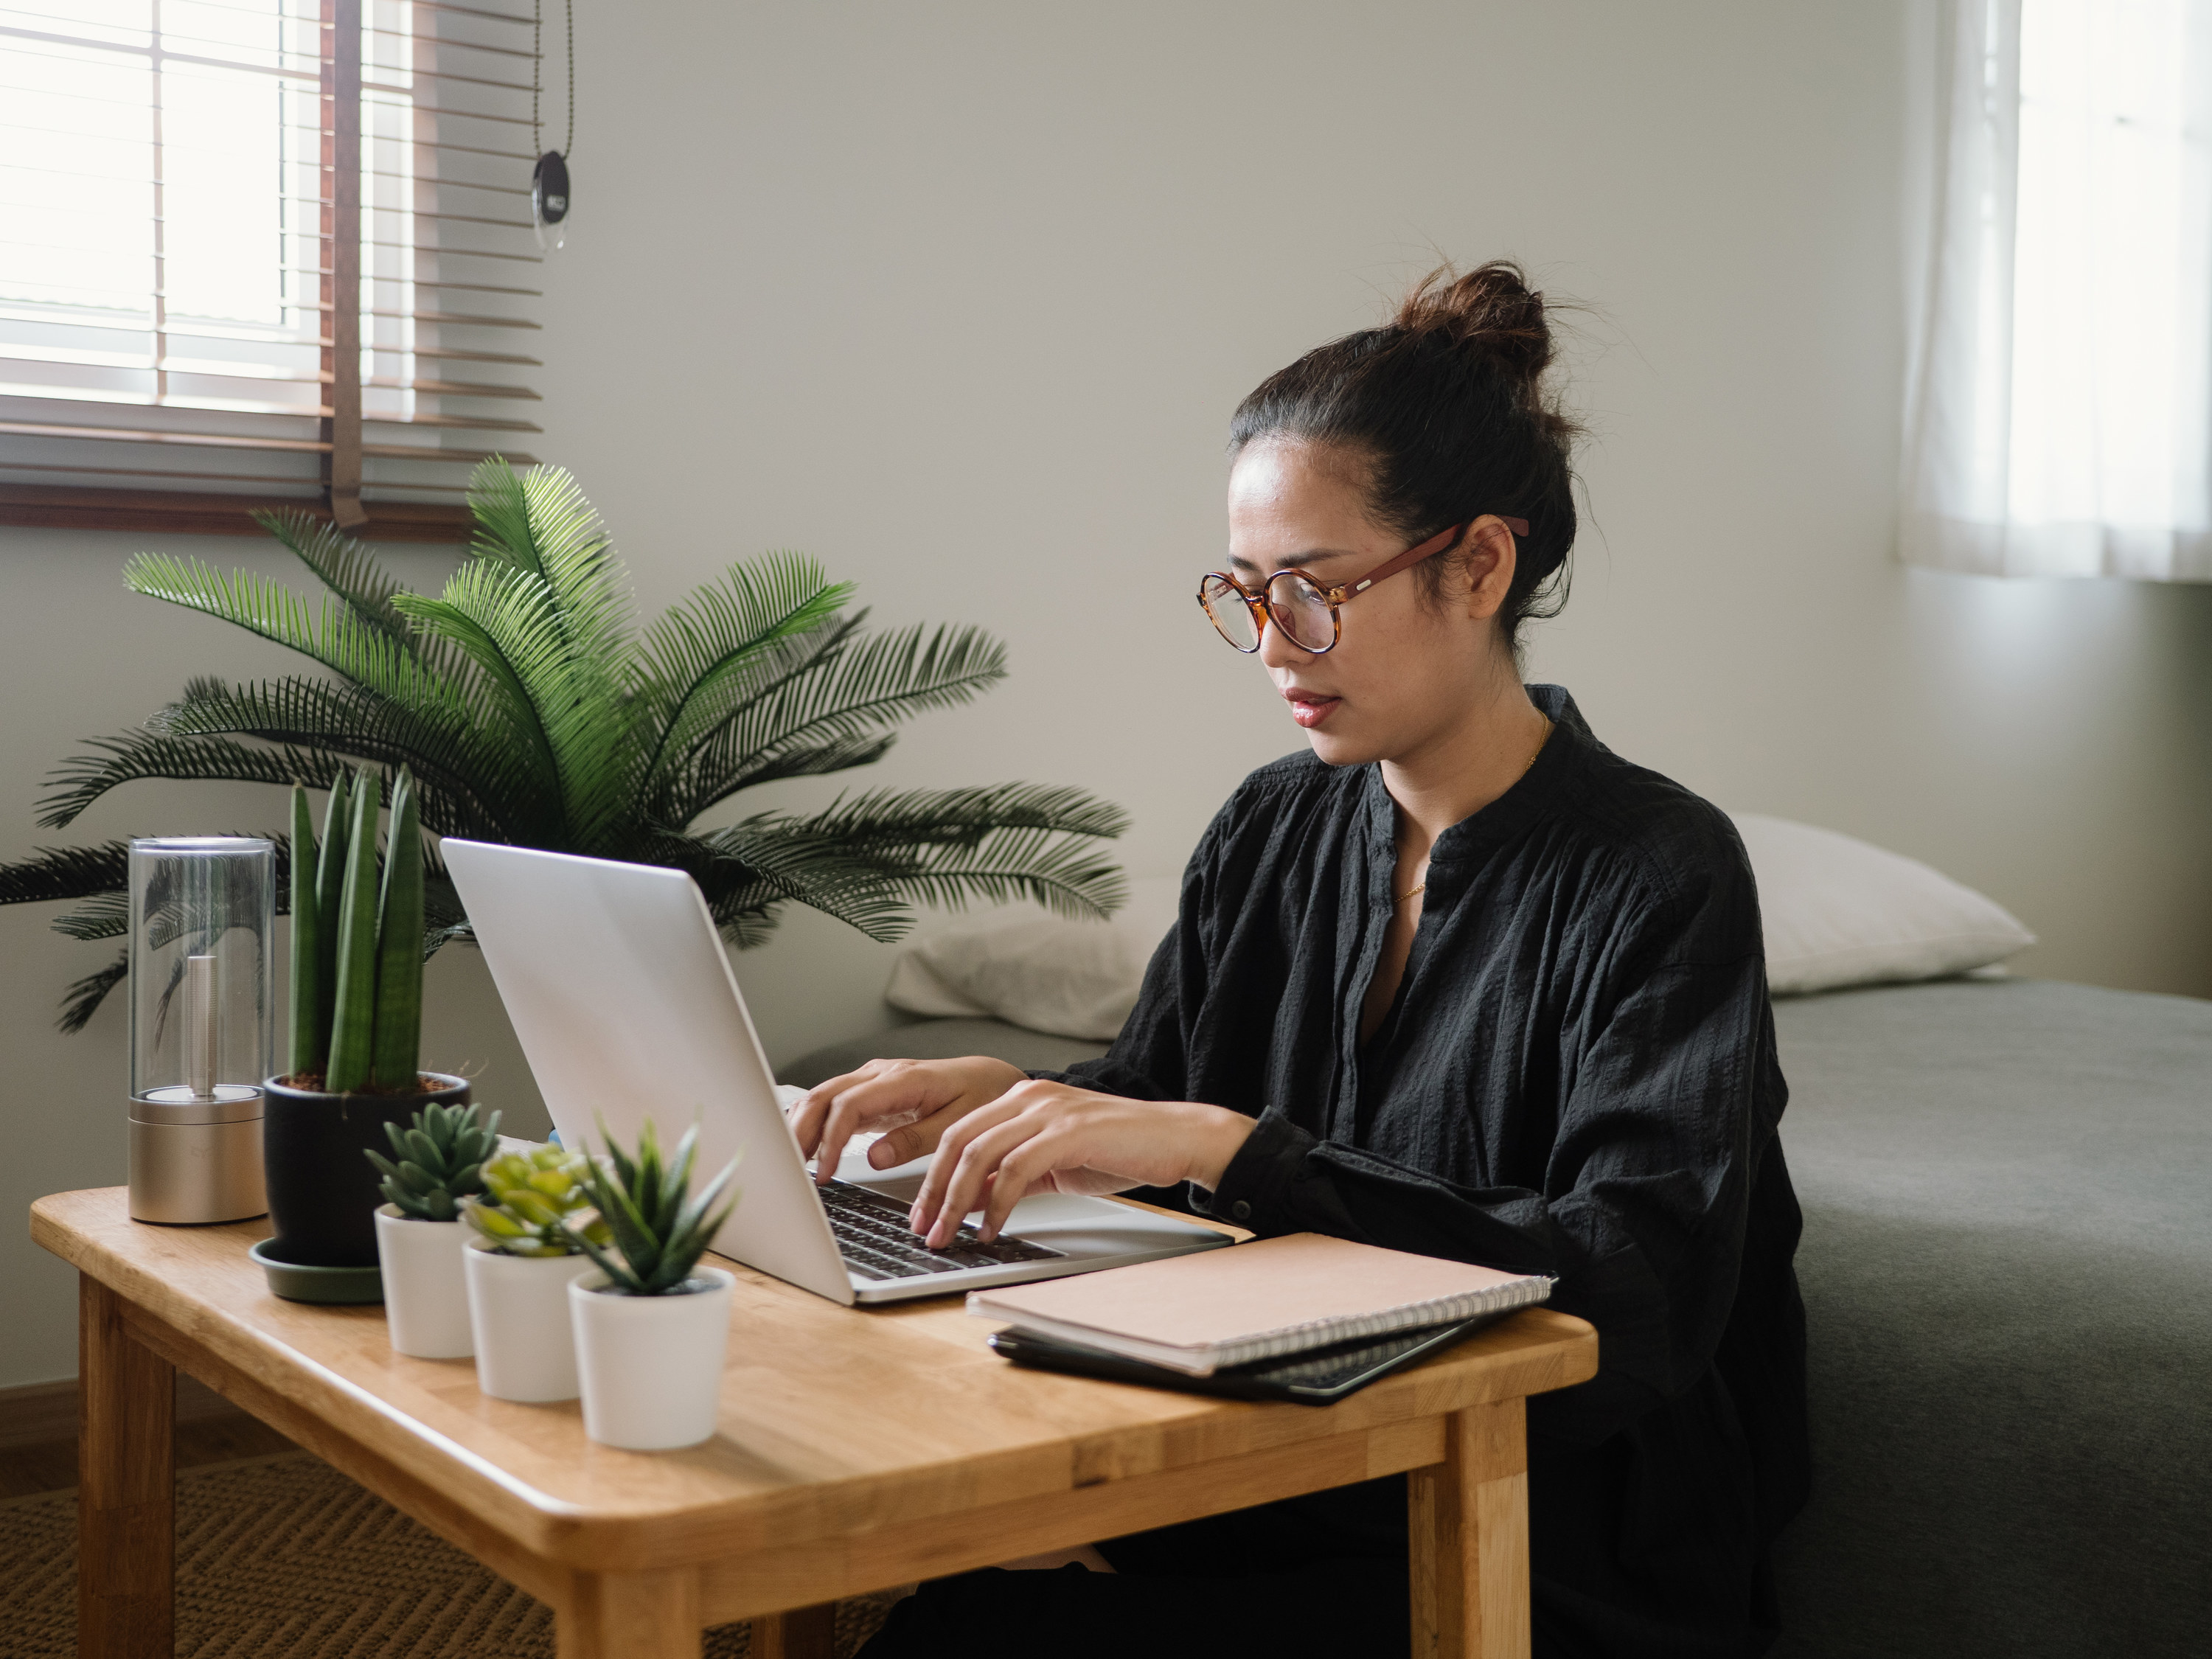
807	1116
1029	1164
980	1180
942	1188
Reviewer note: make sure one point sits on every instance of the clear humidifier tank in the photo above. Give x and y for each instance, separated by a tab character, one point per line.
202	1027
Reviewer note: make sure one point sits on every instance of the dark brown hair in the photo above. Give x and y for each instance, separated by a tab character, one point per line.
1446	406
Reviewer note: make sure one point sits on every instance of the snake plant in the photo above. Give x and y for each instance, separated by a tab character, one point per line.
529	1199
356	1014
441	1158
658	1230
531	710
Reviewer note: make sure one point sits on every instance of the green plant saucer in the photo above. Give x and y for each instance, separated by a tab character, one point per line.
295	1281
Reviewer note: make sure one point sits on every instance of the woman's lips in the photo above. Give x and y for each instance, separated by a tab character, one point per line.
1310	708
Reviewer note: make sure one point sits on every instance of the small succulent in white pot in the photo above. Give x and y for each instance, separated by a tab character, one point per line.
519	1264
437	1164
652	1324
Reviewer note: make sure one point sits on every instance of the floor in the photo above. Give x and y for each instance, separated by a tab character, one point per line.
26	1471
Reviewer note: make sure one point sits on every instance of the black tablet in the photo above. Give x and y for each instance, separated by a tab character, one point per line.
1313	1378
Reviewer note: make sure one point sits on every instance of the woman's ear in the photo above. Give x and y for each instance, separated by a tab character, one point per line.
1492	556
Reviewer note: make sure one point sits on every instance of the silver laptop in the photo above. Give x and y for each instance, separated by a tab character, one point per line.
626	1005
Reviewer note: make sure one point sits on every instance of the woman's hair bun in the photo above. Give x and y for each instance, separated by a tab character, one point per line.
1491	310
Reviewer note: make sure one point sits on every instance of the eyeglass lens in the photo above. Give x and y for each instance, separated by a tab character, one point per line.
1300	611
1231	612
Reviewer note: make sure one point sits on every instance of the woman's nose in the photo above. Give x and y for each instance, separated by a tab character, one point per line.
1278	650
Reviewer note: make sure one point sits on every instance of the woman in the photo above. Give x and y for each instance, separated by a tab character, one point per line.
1457	980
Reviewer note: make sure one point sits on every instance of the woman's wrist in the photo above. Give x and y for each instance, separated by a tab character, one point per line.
1218	1133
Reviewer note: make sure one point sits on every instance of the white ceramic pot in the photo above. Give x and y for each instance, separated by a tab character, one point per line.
651	1366
426	1300
519	1305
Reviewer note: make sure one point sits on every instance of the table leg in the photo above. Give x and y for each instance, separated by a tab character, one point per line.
630	1615
801	1633
126	1519
1469	1523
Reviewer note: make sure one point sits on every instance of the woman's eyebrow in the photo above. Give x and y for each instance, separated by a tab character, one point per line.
1297	561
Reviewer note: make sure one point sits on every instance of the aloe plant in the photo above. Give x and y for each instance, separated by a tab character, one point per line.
530	1198
439	1160
657	1230
357	1018
532	709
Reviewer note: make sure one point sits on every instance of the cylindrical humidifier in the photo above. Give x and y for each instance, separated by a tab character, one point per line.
202	1033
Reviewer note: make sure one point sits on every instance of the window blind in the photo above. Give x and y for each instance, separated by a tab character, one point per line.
263	251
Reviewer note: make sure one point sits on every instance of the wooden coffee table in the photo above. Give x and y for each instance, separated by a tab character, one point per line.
855	1450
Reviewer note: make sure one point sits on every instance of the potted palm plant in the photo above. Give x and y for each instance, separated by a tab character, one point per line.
356	1031
653	1323
436	1165
532	709
519	1264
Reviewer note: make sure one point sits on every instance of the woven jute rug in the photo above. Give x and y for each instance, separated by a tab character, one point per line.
284	1558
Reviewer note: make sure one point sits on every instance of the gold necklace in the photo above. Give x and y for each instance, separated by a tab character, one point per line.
1416	892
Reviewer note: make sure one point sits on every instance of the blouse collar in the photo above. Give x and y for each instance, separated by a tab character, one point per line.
1460	850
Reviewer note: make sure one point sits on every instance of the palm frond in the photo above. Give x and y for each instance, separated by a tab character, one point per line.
104	915
858	690
333	635
502	511
346	566
66	872
501	621
468	787
930	817
698	656
564	711
822	760
1067	875
791	863
539	522
950	847
83	779
83	1000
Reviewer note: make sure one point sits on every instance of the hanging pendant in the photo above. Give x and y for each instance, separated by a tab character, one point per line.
548	199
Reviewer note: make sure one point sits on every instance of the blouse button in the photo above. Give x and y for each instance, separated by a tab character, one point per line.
1241	1210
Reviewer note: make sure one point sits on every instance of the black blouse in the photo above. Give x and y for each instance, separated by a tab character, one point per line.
1578	1077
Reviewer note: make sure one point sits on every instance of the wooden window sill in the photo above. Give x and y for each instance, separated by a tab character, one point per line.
48	507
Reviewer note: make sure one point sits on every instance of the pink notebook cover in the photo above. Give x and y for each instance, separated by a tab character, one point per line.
1252	1301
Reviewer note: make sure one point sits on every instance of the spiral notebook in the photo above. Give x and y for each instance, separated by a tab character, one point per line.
1197	1313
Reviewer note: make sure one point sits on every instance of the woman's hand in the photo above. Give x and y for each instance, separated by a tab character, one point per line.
916	1100
1047	1136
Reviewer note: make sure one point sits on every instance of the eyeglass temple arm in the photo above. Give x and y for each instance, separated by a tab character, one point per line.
1436	543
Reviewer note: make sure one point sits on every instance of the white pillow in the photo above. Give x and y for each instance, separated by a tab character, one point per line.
1030	967
1838	912
1841	912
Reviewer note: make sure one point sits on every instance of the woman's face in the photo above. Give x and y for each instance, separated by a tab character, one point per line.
1407	672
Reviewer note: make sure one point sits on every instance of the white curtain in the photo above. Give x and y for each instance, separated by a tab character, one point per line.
2059	416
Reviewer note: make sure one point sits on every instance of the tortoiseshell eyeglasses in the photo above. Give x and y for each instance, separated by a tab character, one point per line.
1304	610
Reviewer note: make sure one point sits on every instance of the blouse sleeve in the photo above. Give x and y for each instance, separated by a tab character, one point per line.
1149	1056
1674	1095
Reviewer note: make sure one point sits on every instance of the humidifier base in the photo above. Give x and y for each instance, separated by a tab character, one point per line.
187	1173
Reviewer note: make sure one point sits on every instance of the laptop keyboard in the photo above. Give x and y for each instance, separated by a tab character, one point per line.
876	1242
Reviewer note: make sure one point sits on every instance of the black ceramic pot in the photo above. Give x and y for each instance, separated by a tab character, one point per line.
323	1193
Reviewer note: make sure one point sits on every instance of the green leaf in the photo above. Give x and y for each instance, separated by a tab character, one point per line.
353	1028
396	1057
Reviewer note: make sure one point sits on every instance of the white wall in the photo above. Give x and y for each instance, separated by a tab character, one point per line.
959	298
